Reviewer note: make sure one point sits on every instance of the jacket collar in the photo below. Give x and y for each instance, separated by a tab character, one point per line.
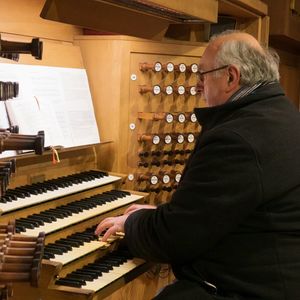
210	116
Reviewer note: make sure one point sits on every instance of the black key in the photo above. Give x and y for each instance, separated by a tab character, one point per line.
54	250
42	217
85	277
90	273
67	282
47	215
32	218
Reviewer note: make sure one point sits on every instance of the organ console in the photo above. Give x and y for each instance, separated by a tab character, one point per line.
76	264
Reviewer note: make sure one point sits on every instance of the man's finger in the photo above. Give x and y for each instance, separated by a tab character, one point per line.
112	230
106	223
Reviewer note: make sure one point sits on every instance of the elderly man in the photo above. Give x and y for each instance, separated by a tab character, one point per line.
232	228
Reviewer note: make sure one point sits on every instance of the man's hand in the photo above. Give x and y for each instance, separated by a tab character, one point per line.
113	225
116	224
136	207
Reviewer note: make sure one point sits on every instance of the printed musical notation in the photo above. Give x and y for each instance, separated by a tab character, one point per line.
53	99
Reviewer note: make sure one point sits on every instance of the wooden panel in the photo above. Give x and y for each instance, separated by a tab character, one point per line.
32	168
117	18
290	75
226	7
290	80
125	101
289	25
256	6
103	16
265	27
23	18
159	103
207	9
250	16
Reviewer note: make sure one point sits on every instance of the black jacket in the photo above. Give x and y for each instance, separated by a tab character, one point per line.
235	218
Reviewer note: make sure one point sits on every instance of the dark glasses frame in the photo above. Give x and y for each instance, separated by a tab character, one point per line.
201	74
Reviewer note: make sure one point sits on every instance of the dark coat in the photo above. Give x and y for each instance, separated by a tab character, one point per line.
234	220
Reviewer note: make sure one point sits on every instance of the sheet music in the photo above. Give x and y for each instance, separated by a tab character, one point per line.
56	100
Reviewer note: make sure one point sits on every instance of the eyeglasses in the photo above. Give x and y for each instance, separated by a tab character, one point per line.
201	74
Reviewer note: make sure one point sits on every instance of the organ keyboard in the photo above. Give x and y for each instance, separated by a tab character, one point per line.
67	210
28	195
105	272
68	249
74	212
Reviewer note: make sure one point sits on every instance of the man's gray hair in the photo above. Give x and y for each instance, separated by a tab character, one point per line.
254	65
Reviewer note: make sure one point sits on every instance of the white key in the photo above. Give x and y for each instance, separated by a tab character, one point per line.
84	249
117	272
61	192
81	216
77	252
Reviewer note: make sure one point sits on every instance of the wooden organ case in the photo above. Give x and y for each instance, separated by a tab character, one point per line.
37	207
152	93
143	99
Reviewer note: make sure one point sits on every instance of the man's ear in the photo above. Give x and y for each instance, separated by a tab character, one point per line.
233	81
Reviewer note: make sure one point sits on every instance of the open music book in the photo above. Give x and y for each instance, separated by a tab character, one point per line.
56	100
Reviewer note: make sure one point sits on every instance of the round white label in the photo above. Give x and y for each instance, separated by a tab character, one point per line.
193	118
130	177
156	90
177	177
157	67
169	118
169	90
166	179
191	138
194	68
133	77
170	67
182	68
155	139
154	179
181	118
181	90
180	139
193	90
168	139
132	126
